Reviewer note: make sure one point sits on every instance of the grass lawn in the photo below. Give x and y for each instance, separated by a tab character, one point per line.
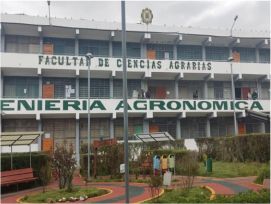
200	195
54	195
232	169
195	195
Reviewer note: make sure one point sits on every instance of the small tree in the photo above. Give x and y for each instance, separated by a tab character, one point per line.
155	184
189	169
64	164
45	175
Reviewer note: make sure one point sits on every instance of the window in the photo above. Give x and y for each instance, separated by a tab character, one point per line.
134	86
133	50
264	55
22	44
246	54
222	126
162	51
189	52
99	88
63	87
135	125
20	125
60	46
217	53
193	127
21	87
163	125
97	48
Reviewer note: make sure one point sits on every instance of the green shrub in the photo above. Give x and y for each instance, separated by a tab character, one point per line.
263	196
264	174
245	148
22	160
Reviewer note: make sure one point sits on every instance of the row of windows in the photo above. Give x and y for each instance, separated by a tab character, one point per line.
28	87
61	46
64	129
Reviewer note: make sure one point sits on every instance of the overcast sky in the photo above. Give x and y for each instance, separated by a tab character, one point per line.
253	15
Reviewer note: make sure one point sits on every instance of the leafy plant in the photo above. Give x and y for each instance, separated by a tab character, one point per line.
155	184
264	174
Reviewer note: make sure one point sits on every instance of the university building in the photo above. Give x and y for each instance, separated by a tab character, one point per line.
179	79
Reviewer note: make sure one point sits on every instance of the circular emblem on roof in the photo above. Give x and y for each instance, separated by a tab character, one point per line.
146	16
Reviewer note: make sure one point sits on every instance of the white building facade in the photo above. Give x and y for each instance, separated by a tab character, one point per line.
184	72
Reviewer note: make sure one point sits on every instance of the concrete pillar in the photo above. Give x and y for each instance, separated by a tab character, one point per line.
205	90
111	128
208	128
203	53
143	51
178	129
176	89
257	55
230	51
41	44
77	87
175	55
145	126
40	86
110	48
2	41
39	129
111	87
76	50
1	84
144	84
77	142
259	87
262	127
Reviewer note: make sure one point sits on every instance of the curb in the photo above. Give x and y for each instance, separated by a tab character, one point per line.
213	194
161	193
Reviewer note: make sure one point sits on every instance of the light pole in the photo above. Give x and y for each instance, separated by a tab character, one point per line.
232	83
89	56
233	98
125	112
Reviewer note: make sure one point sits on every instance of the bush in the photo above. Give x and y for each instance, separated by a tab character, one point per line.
263	196
22	160
264	174
245	148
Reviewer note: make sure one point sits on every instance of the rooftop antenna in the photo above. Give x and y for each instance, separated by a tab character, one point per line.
48	2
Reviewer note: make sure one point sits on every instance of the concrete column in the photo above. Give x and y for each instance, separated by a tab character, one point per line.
178	129
175	55
145	126
41	44
77	87
1	84
144	84
203	53
262	127
143	51
111	128
176	89
77	142
111	87
259	87
110	48
205	90
39	129
230	51
76	50
40	86
208	128
257	55
2	41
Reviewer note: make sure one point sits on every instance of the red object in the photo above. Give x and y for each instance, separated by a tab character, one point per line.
102	143
241	128
48	91
17	176
156	172
245	91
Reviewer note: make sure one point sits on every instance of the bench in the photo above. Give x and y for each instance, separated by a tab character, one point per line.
17	176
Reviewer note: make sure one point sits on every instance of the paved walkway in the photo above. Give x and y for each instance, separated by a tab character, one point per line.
140	192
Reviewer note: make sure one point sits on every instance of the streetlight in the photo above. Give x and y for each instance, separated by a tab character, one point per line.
233	97
89	56
232	83
234	20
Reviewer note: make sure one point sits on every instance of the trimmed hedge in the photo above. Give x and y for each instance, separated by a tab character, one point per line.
244	148
22	160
